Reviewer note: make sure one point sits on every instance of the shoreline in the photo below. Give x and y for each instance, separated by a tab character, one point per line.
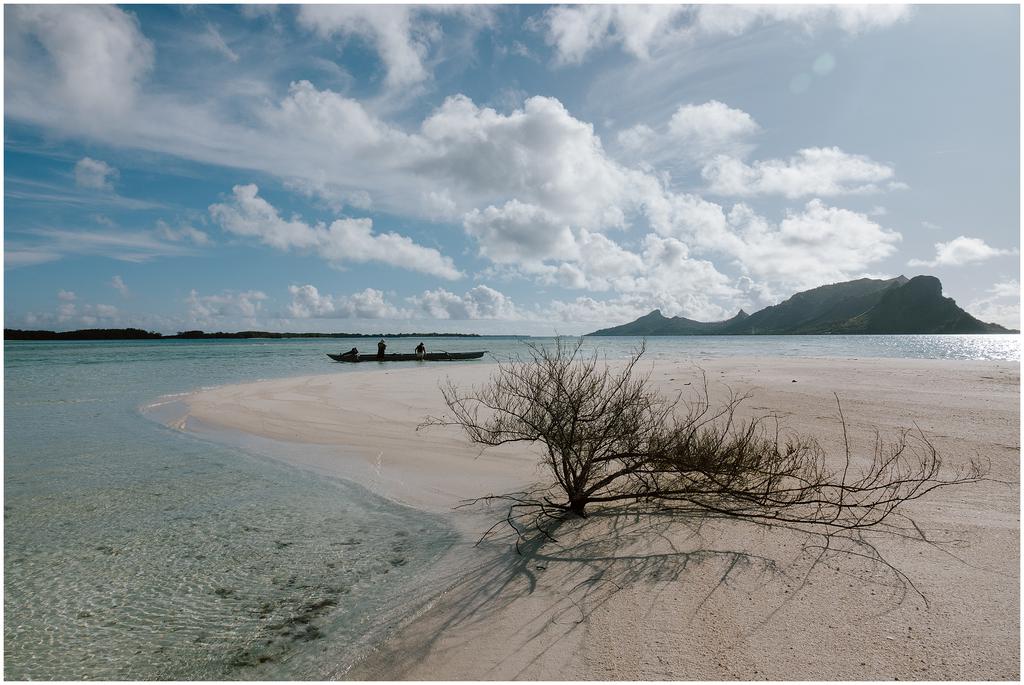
519	632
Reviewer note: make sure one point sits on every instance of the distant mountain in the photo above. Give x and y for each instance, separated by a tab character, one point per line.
918	307
866	305
657	324
818	310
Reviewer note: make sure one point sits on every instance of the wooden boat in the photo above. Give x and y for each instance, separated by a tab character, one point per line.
428	357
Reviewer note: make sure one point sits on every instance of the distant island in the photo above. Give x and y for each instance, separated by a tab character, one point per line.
864	306
139	334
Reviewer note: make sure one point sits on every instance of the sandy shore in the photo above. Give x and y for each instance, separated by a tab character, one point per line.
630	596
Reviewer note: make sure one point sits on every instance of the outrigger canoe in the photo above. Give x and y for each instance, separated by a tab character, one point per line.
428	357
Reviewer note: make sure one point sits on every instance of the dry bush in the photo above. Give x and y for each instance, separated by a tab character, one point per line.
609	437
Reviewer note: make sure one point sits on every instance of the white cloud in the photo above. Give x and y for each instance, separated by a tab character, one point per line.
694	133
354	240
332	197
637	139
213	40
575	31
206	308
1002	306
534	187
125	246
960	251
712	127
602	264
402	35
853	19
118	284
540	155
642	30
402	46
589	310
1009	288
251	216
812	171
519	233
818	245
307	302
68	312
481	302
16	257
184	232
53	194
700	223
95	174
680	284
629	306
258	11
98	54
664	272
536	244
333	124
462	158
105	311
669	256
345	240
540	245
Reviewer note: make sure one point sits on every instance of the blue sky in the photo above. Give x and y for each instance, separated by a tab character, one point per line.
500	169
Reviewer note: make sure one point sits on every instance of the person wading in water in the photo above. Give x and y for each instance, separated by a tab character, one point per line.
420	351
381	346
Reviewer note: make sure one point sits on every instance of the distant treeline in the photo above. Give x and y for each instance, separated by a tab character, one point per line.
139	334
88	334
268	334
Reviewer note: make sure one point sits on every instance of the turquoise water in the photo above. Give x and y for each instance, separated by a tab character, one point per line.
136	552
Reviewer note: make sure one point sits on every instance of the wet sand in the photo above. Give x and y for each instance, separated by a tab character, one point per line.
634	595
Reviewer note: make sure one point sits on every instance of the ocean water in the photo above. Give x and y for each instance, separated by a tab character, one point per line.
132	551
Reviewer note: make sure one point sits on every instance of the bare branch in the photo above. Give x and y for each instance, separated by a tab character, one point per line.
609	437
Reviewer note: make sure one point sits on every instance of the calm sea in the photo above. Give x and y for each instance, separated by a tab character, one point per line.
132	551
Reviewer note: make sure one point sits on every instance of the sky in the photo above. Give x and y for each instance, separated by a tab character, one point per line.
500	169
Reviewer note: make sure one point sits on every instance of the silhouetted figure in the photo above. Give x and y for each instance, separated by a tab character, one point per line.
381	346
351	354
420	351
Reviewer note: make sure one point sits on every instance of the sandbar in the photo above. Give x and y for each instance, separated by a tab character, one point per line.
633	595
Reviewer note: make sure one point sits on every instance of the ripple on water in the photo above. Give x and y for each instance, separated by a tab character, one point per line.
219	573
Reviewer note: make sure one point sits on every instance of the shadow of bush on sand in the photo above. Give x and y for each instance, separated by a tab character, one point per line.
544	586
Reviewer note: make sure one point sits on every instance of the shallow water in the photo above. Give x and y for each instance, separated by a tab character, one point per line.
137	552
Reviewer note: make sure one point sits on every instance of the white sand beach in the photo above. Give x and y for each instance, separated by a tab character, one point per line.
626	595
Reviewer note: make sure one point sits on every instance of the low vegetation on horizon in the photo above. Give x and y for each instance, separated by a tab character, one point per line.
139	334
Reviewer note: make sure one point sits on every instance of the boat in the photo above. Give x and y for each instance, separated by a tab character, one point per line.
396	357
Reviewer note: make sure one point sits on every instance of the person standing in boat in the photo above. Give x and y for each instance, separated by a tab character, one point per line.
381	346
420	351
